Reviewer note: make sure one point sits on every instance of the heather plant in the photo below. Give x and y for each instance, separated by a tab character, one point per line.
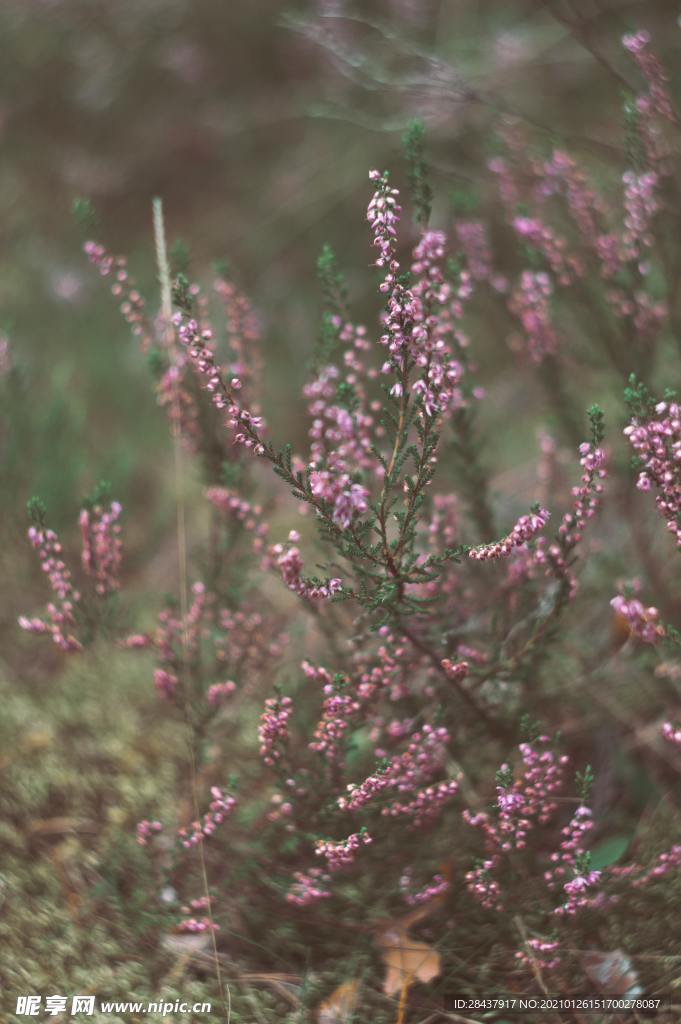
411	771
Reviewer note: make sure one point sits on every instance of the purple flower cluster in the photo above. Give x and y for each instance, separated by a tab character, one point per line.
657	444
60	620
342	853
288	560
540	953
658	99
273	730
338	711
309	887
132	304
530	303
527	527
435	308
147	829
219	808
437	886
408	774
643	623
101	545
522	804
218	693
347	499
223	390
672	733
572	857
565	267
472	237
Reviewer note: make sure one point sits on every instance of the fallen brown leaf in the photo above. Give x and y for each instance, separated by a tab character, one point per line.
339	1007
612	972
406	959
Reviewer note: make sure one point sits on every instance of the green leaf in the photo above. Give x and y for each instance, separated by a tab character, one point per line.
608	851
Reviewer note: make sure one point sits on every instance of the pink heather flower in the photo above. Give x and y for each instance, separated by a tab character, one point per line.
309	887
539	236
576	889
211	640
248	515
572	858
455	670
636	42
147	829
582	882
341	854
641	205
472	654
243	337
472	237
553	556
338	712
123	288
572	847
657	444
643	622
195	926
522	804
348	499
101	545
200	903
60	618
273	731
434	309
281	808
219	692
173	393
409	773
530	302
443	526
539	953
383	215
561	175
137	641
177	640
524	530
667	861
633	876
609	251
425	805
176	399
672	733
166	683
241	639
483	886
198	342
341	441
437	886
508	189
658	98
420	322
288	560
220	807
